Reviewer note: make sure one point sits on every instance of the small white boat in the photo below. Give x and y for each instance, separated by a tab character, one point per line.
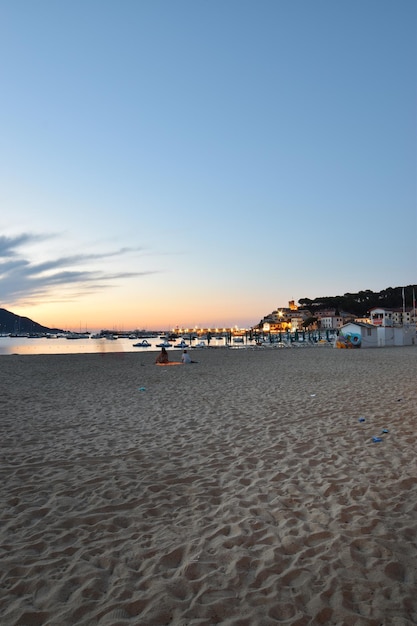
77	336
200	344
182	344
164	344
142	344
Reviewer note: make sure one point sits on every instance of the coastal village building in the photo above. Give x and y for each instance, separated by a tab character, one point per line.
383	327
279	320
331	322
392	317
381	317
297	322
291	318
388	327
330	319
364	320
274	327
285	319
404	316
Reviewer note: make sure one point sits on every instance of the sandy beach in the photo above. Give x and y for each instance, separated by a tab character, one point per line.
243	490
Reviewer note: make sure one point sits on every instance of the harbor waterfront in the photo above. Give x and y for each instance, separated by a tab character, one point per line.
61	345
87	345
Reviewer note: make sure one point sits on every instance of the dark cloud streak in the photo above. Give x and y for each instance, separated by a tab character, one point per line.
8	245
22	279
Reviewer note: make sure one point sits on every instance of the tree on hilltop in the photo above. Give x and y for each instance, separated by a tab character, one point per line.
362	302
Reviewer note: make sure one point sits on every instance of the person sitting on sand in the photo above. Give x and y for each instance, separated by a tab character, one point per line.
185	358
162	357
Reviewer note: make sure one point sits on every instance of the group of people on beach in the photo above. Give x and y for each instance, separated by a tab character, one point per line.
162	357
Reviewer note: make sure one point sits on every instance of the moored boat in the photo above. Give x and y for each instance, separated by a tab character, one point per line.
164	344
142	344
200	344
182	344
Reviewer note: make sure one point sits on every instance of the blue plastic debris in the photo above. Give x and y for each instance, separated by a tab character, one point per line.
385	430
361	419
377	439
142	389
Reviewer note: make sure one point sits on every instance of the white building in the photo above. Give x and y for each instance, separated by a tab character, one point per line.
357	335
396	335
381	317
297	322
331	322
403	316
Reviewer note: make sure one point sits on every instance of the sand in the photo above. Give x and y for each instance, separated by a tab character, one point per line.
242	490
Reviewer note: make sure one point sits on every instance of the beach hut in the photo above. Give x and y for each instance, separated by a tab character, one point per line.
357	335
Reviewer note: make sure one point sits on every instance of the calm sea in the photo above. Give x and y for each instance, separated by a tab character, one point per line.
23	345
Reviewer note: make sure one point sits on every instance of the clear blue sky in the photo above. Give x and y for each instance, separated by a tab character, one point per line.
202	163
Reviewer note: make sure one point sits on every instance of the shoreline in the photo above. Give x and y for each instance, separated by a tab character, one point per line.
15	345
239	490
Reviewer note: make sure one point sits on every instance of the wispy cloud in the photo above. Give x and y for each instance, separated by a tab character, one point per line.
9	245
22	279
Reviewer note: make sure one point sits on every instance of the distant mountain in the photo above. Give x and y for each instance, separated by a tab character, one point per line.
360	303
12	323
